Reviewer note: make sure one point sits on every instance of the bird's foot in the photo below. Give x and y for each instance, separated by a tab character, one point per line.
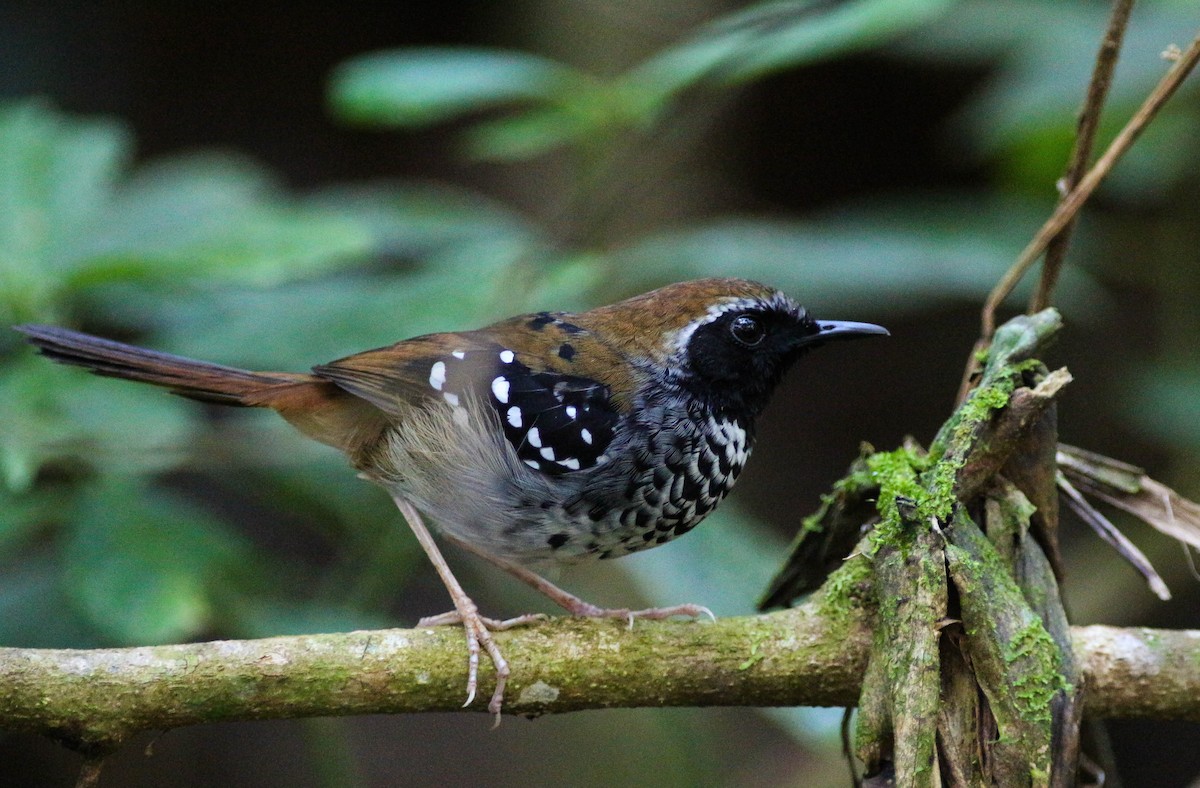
479	631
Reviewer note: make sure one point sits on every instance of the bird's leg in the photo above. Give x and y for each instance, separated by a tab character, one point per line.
573	604
477	627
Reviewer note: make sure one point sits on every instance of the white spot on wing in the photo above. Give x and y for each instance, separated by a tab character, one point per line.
533	464
451	397
548	453
534	437
571	411
507	356
437	375
514	416
570	464
586	435
500	389
459	354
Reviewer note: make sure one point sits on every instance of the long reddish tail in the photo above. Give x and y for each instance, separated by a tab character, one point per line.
187	377
317	407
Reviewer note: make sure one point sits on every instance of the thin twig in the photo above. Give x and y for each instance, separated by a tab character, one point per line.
1085	139
1111	534
1070	205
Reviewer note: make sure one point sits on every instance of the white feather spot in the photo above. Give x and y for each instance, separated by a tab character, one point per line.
533	464
586	435
548	453
514	416
534	437
437	375
571	411
451	397
570	464
459	354
500	389
507	356
461	418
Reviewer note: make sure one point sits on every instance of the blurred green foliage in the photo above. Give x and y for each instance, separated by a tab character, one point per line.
103	536
557	105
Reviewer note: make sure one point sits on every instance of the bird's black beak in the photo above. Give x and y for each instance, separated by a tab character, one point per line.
828	330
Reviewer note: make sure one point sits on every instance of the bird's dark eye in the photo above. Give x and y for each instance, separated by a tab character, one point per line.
748	330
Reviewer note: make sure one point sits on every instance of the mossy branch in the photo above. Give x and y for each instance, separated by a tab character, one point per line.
93	700
812	655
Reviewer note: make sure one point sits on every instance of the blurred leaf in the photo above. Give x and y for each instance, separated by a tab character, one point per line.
304	324
931	252
55	414
72	218
211	216
173	198
587	118
416	87
146	568
419	221
722	564
56	173
772	36
475	266
737	48
456	237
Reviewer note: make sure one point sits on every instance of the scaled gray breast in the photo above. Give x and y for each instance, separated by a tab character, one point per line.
679	474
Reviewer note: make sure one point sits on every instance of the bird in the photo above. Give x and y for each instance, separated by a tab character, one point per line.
546	438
